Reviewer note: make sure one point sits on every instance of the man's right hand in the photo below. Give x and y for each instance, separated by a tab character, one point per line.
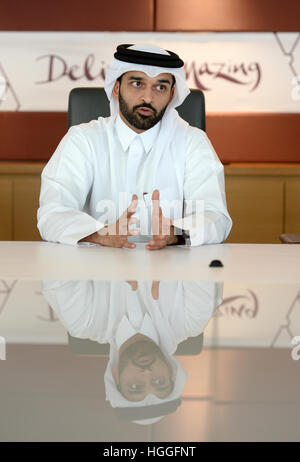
116	235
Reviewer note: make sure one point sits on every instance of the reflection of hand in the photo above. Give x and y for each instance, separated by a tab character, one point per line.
154	288
163	230
133	284
116	235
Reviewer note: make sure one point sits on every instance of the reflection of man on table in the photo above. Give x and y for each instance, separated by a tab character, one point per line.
140	159
143	322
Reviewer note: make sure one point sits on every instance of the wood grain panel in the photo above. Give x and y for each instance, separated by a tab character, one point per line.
6	199
260	169
256	208
227	15
67	15
35	136
26	202
257	137
292	206
30	135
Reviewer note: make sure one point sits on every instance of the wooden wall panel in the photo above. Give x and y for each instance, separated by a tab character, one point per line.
255	137
6	200
30	135
74	15
227	15
35	136
256	208
292	206
26	202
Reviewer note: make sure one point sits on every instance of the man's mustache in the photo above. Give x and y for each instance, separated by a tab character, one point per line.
145	105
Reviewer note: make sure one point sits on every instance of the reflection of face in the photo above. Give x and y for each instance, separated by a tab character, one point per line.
142	99
143	370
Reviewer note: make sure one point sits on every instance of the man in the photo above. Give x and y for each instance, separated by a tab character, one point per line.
132	167
143	322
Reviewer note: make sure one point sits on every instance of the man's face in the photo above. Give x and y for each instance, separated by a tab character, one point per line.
142	99
143	370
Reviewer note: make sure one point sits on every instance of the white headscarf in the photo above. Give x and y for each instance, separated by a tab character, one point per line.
117	400
117	68
169	157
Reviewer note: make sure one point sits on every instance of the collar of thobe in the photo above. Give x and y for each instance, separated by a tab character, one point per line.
126	135
126	330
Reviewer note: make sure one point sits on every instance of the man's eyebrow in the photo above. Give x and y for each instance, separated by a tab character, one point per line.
164	81
132	77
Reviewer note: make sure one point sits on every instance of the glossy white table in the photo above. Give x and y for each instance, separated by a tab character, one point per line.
245	263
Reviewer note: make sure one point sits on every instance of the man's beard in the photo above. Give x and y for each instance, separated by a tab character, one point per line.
140	121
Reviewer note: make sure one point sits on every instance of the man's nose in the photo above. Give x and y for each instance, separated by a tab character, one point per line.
147	95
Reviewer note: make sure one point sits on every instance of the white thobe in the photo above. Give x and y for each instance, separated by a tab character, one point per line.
111	312
91	164
95	309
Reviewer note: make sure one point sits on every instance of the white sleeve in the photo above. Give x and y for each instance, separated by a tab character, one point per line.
200	301
204	182
78	306
66	183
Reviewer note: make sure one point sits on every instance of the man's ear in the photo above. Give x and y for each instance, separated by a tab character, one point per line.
115	91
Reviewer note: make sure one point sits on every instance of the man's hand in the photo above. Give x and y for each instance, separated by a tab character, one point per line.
117	235
163	230
154	288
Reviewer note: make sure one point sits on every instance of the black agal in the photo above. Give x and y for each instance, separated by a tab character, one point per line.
128	55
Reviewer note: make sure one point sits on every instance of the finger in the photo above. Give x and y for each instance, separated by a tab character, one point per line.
156	220
129	245
156	245
155	290
153	242
125	219
132	221
122	224
155	204
133	205
166	226
155	195
133	232
133	284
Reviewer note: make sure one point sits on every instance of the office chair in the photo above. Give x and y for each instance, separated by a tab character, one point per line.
89	103
79	346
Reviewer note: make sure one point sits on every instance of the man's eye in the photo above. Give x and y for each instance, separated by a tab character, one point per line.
136	83
161	87
159	381
135	387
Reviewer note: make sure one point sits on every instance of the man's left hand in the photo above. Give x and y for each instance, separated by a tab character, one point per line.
163	229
